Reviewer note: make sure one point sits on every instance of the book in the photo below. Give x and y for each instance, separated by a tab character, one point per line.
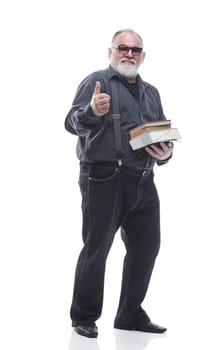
150	126
153	134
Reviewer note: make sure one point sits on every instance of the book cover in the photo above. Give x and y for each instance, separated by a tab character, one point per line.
150	126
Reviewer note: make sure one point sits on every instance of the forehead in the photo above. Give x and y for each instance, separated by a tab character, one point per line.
127	38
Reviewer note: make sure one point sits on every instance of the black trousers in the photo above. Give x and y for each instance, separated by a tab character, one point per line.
114	198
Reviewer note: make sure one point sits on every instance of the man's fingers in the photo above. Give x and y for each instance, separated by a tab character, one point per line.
100	102
163	152
97	88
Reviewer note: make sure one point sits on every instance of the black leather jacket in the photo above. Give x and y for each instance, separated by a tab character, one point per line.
96	134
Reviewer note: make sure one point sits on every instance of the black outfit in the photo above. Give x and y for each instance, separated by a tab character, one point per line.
114	197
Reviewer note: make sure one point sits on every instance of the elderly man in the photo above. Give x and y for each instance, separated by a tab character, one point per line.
117	185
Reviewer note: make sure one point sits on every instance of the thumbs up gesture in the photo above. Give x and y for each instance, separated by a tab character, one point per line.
100	102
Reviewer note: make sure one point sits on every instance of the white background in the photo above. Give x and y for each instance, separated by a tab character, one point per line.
47	48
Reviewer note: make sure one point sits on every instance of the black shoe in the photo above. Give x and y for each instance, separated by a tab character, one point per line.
89	331
148	327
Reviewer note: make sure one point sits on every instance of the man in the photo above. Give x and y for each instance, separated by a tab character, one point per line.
117	186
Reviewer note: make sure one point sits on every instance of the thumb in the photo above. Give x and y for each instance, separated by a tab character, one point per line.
97	88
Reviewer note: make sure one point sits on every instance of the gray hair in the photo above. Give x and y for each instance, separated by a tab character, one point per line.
128	30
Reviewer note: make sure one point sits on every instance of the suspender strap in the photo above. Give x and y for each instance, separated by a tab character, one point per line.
117	122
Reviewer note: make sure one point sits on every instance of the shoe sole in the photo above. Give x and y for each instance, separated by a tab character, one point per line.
140	330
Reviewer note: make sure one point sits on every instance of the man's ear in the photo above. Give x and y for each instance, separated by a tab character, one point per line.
109	52
143	56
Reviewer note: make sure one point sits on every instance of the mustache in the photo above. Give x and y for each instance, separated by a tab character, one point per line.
131	60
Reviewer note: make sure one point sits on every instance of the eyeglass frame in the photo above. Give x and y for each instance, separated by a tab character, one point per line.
136	51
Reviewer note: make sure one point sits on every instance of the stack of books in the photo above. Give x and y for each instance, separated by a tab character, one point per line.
152	133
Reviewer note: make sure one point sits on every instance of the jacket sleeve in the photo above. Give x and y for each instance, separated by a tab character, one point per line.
161	117
80	120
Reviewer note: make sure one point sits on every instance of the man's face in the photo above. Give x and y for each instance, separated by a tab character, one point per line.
123	59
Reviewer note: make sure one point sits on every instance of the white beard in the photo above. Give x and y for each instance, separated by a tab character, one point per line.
127	71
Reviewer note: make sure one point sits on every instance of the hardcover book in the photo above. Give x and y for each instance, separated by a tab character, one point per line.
150	126
153	132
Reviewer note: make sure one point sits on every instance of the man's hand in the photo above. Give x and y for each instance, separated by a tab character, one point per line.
161	152
100	102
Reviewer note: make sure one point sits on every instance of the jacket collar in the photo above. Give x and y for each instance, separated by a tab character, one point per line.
111	73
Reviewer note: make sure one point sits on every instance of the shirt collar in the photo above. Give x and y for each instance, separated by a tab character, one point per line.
111	73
